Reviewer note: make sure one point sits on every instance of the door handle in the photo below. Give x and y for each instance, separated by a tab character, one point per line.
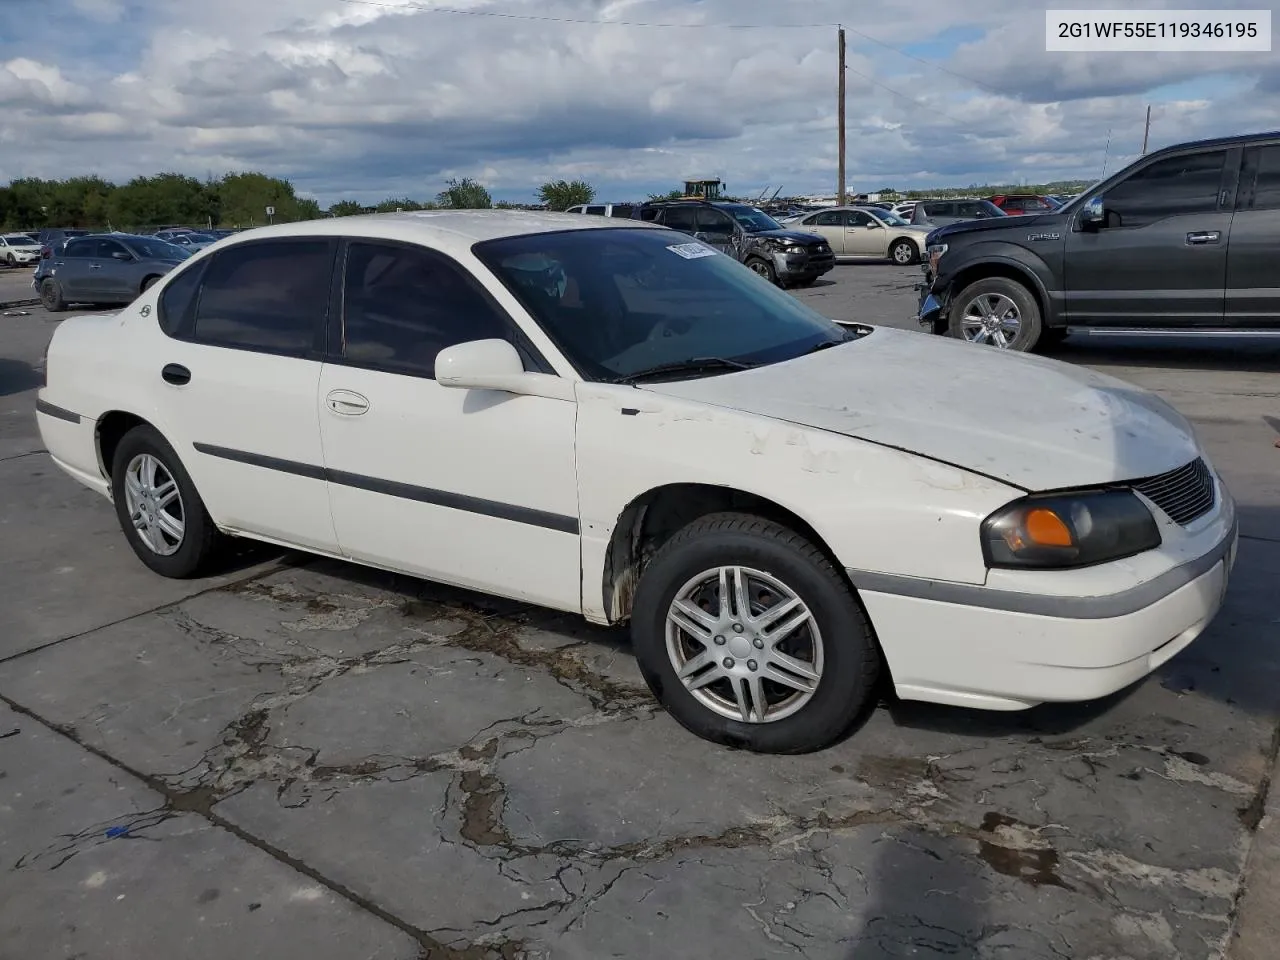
347	403
95	266
1204	236
176	374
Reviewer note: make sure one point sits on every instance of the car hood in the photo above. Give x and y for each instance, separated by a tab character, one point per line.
797	235
1029	421
1007	222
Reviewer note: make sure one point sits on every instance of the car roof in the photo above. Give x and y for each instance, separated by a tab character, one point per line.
447	230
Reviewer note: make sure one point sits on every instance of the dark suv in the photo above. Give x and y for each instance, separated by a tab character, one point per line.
1182	240
786	257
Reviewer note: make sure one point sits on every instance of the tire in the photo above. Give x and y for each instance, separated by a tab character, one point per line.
763	268
12	261
148	283
779	561
188	555
986	302
51	296
904	253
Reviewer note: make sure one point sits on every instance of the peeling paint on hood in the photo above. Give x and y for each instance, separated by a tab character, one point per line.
1037	423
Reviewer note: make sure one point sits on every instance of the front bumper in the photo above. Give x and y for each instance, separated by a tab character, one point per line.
805	264
967	652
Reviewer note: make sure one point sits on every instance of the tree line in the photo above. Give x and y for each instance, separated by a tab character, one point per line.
234	200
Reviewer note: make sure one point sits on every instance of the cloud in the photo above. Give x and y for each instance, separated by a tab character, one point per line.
372	99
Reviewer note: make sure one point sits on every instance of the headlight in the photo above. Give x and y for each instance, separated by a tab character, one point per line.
935	251
1068	530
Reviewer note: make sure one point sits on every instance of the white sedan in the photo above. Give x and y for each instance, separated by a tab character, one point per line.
612	419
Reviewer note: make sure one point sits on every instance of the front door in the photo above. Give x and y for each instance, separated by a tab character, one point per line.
865	236
1161	257
113	272
717	229
1253	283
472	487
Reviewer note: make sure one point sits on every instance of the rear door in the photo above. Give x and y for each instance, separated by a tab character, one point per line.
72	271
238	379
684	219
830	225
1161	258
1253	281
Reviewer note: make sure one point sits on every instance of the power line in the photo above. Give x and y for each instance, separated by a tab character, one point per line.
898	93
421	8
928	63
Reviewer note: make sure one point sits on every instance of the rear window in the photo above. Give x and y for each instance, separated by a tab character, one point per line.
270	296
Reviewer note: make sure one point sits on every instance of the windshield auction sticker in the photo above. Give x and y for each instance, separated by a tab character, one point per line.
693	251
1144	30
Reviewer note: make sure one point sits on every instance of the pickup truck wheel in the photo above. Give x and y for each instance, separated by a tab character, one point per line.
51	296
763	268
998	312
904	253
159	510
750	637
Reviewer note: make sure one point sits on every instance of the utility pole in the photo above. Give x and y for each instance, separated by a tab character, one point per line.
1147	132
840	194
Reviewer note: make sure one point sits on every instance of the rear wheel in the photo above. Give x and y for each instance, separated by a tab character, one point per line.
763	268
750	637
148	283
904	253
51	296
997	312
159	510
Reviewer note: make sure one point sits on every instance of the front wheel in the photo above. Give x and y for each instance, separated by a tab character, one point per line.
763	268
11	260
750	637
997	312
148	283
904	253
159	510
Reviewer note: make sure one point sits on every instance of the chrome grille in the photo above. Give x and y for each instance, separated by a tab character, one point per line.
1184	494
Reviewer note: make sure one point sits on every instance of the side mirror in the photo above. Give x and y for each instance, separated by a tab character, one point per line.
121	255
1093	214
495	365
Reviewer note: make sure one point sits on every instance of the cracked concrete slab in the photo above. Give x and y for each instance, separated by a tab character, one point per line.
49	583
455	777
96	865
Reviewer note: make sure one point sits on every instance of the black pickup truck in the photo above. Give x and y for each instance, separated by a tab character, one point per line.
1184	240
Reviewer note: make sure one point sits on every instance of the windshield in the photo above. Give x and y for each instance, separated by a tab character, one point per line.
753	220
149	249
891	218
617	302
19	240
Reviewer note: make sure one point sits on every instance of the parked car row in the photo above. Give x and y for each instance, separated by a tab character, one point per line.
109	268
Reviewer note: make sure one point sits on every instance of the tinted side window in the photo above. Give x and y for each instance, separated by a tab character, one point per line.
177	297
597	210
969	208
270	296
77	248
859	219
680	218
107	248
939	210
830	218
1266	191
715	222
402	306
1167	188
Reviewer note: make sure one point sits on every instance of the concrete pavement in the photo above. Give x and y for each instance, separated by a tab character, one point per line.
305	758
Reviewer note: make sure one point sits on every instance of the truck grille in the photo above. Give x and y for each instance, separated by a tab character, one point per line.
1185	494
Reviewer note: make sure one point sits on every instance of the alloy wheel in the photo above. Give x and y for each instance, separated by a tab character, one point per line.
744	644
154	503
993	319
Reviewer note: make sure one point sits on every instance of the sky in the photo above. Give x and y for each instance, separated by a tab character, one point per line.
369	99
